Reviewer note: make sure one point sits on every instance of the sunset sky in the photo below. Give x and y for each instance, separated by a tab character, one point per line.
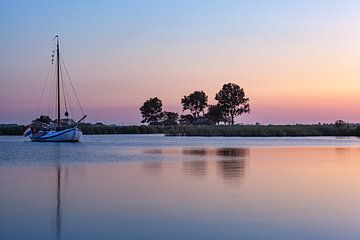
298	61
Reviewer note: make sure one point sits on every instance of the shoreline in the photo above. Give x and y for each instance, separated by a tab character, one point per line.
305	130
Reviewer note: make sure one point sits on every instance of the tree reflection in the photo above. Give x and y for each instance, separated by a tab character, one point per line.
195	151
233	152
231	164
342	154
195	168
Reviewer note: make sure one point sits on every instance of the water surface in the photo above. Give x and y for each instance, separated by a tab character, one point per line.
155	187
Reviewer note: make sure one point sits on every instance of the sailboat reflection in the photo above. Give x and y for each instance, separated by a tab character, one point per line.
58	203
62	171
58	155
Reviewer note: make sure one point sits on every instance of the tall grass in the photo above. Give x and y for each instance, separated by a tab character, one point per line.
262	131
12	130
122	129
236	130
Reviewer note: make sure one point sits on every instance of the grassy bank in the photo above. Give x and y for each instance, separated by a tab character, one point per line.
93	129
12	130
263	131
237	130
122	129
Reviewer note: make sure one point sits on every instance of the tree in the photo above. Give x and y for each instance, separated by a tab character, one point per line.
216	114
196	103
186	119
151	111
170	118
339	123
232	98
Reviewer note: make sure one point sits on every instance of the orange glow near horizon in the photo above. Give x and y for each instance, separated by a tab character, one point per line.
298	62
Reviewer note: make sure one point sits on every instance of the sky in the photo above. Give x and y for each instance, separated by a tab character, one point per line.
298	61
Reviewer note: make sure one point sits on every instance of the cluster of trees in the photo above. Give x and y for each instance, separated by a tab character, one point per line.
231	102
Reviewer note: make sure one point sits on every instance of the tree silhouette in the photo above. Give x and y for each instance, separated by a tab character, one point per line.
151	111
232	98
170	118
186	119
216	114
196	103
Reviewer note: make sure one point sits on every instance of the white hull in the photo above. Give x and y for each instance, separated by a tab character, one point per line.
67	135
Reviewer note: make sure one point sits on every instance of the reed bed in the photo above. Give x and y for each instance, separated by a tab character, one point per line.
211	130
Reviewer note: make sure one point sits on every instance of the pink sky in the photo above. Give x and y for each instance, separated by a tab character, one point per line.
298	62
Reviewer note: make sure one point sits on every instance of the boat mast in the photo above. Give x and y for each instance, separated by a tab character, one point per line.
58	82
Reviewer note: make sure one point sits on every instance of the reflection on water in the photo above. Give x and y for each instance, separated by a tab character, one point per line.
152	168
201	152
195	168
58	203
232	165
233	152
180	192
230	162
231	169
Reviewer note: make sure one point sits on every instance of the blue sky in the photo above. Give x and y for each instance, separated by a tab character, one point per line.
123	52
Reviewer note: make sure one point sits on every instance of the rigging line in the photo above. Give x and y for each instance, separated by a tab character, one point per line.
72	86
68	96
62	85
43	90
54	96
50	94
52	86
69	99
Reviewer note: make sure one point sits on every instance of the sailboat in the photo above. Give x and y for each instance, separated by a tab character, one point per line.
59	130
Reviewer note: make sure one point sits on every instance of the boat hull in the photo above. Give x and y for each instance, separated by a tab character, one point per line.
67	135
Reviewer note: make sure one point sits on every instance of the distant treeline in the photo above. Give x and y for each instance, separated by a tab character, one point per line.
12	129
213	130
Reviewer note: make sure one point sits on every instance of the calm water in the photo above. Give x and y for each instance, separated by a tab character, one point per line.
155	187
